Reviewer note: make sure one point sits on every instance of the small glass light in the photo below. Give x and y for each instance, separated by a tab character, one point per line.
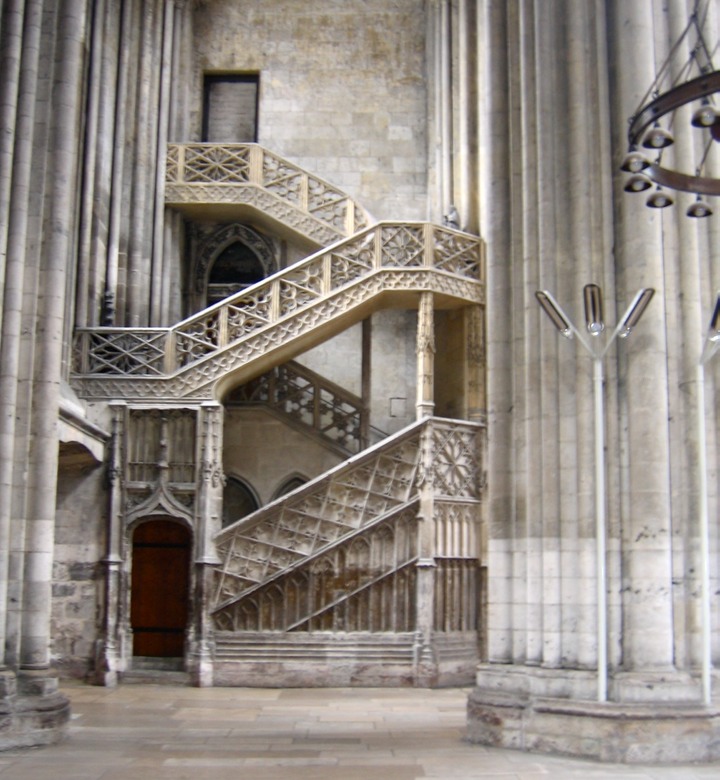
660	199
699	209
636	311
638	182
657	138
705	115
714	334
593	309
551	309
634	161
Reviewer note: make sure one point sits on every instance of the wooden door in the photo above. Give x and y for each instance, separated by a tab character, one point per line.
160	588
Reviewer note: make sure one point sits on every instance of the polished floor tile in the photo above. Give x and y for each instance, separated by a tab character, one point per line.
158	732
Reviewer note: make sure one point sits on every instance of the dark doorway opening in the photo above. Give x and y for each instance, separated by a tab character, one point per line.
159	600
235	268
230	113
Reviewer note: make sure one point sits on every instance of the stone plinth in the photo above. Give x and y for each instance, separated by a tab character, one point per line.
646	732
31	714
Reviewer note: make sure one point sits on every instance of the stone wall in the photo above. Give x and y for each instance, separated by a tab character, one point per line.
393	385
80	545
342	89
265	453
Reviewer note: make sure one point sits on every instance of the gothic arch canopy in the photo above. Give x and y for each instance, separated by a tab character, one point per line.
161	502
221	239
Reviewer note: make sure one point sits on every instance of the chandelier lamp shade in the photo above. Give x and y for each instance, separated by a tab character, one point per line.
660	199
684	106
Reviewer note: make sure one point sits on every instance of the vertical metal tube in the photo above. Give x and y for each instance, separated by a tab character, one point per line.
704	533
600	529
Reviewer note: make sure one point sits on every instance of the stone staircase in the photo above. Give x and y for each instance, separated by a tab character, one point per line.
205	176
370	573
332	570
282	316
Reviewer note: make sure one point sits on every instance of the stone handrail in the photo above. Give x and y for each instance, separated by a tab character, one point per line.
248	174
386	258
265	550
311	400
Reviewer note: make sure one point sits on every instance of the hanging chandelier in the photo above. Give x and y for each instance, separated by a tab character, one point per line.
685	105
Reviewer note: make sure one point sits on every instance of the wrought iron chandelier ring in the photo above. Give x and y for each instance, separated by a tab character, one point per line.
701	87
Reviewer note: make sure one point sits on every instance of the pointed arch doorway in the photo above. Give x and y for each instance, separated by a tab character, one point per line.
160	588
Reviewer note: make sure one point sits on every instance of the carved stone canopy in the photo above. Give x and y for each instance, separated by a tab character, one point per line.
213	245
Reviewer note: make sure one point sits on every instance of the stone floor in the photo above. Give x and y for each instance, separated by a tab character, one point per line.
152	732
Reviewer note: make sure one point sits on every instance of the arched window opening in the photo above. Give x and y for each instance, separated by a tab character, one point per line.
289	485
235	268
238	501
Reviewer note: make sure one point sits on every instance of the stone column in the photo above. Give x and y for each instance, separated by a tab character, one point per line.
208	514
546	227
83	295
647	609
99	153
159	290
466	188
12	480
42	478
114	295
366	382
425	357
108	660
143	169
439	55
494	174
475	405
691	257
445	81
11	32
426	670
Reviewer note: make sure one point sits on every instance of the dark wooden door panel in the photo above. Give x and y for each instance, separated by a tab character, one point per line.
160	588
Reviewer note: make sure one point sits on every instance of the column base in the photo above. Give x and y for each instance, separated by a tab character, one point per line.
200	666
554	711
32	710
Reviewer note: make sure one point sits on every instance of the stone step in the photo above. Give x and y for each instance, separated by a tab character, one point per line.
156	671
155	677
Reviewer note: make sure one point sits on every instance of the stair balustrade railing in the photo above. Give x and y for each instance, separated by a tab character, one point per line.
387	257
367	506
305	397
211	173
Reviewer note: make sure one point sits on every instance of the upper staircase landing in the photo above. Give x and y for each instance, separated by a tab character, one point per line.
224	180
271	322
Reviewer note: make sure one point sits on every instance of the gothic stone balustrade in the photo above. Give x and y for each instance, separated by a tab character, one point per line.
225	179
282	315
